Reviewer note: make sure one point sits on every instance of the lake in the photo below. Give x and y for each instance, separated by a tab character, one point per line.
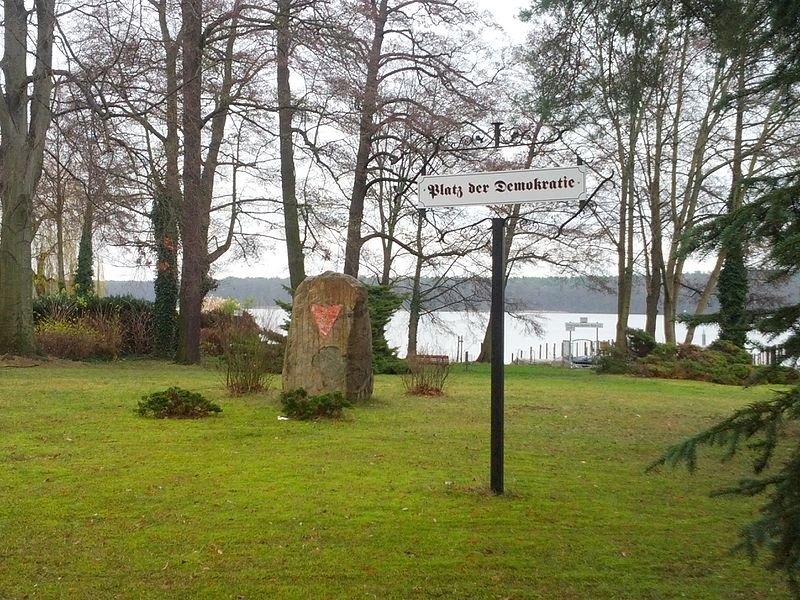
439	333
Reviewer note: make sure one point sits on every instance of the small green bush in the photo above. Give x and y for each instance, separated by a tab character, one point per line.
613	363
297	404
722	363
732	353
640	343
775	374
176	403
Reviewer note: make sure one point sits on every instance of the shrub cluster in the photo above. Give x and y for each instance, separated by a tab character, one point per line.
91	327
248	354
297	404
66	339
176	403
722	362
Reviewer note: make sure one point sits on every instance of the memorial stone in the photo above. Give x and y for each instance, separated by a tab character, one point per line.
330	340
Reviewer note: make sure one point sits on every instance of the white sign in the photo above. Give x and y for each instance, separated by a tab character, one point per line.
504	187
571	325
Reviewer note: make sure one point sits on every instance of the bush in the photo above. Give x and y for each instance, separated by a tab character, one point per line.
382	303
297	404
722	363
109	334
612	363
425	377
57	307
66	339
640	343
125	323
247	361
732	353
275	349
176	403
217	327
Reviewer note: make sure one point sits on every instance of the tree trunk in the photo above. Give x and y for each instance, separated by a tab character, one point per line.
366	130
291	218
166	285
624	257
733	285
166	208
195	244
655	280
415	303
16	275
22	139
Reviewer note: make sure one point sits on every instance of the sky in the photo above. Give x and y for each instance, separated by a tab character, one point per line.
272	262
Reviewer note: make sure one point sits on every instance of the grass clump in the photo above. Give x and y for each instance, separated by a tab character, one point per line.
176	403
297	404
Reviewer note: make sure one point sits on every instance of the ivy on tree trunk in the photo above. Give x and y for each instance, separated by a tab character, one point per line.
166	285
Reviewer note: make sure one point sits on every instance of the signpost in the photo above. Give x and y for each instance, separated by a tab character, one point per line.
584	322
501	187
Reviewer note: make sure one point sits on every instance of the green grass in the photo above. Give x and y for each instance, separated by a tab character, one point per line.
392	502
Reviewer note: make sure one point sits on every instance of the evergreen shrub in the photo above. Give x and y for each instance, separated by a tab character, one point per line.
176	403
613	362
275	348
297	404
383	302
640	342
685	361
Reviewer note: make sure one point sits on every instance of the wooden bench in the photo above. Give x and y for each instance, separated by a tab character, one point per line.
431	359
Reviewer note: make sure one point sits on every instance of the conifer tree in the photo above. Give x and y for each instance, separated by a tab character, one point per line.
765	430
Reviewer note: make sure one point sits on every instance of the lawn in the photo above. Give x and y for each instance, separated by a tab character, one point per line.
392	502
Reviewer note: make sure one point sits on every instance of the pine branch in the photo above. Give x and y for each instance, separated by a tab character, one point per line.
765	419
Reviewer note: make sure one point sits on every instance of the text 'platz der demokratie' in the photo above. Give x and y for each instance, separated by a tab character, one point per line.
504	187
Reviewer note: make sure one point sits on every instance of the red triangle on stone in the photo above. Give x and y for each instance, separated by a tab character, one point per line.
325	317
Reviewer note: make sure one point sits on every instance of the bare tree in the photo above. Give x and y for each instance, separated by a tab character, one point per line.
172	80
24	119
389	60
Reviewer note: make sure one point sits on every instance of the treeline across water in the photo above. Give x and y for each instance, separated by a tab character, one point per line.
560	294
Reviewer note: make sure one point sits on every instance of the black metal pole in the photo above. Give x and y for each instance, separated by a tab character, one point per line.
497	353
497	133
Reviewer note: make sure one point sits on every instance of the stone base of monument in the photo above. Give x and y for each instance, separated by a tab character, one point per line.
329	348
